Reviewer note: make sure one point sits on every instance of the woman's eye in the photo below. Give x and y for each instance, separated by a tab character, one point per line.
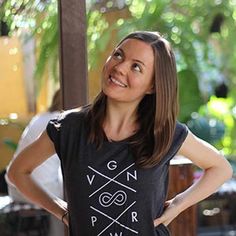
117	55
137	67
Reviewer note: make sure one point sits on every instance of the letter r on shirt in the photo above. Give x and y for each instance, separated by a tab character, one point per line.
134	215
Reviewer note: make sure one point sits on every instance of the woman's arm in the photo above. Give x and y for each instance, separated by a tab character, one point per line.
216	171
21	168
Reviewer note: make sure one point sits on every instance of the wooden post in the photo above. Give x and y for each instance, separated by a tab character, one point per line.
73	52
181	177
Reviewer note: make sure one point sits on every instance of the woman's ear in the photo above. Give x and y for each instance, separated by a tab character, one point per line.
151	90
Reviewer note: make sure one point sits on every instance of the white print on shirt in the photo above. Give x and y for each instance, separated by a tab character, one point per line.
118	198
121	234
106	199
112	165
90	180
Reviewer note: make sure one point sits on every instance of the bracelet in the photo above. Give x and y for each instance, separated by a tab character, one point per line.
63	216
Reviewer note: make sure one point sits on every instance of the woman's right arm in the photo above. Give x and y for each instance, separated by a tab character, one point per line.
21	168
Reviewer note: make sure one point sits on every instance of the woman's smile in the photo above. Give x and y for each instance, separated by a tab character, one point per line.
115	81
128	72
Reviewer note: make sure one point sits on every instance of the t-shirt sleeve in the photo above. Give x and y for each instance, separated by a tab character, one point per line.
181	132
64	130
53	129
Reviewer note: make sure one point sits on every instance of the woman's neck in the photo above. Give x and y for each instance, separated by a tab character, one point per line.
120	121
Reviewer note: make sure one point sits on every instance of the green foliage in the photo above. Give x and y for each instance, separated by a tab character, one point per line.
48	48
188	86
98	35
10	144
224	110
207	128
186	24
40	19
204	56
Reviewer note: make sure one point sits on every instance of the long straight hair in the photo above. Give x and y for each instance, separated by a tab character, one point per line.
156	113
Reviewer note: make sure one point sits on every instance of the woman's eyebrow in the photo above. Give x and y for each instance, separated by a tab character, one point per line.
136	60
139	61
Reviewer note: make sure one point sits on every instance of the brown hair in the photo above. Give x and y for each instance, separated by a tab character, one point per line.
56	104
156	112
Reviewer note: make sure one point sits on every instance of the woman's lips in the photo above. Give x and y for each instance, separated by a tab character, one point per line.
117	82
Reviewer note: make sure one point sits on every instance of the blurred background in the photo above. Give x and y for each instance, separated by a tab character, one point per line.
202	34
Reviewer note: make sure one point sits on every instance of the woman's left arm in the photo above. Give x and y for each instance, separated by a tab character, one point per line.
216	171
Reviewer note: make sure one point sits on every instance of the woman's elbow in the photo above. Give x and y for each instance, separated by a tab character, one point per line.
227	170
11	174
230	172
14	173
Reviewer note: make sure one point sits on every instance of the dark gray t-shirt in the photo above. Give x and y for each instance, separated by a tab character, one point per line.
107	193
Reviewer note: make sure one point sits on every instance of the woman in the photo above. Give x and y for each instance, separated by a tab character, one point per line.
115	153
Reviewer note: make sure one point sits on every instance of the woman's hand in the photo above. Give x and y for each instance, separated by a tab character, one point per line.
64	214
65	218
172	210
19	174
216	171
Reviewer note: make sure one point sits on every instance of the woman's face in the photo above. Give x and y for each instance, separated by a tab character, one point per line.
128	72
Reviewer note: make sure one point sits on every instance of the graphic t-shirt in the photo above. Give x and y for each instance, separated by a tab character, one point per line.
107	193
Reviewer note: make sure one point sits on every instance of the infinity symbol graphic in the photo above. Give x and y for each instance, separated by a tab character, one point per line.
119	198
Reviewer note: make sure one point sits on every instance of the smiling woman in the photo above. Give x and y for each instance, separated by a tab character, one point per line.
128	72
115	152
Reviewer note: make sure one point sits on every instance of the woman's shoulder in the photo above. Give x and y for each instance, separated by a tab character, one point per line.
70	118
181	132
74	114
180	127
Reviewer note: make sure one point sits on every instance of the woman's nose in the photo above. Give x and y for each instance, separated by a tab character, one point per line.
121	67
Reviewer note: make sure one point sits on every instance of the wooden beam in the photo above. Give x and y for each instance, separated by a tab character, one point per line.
73	52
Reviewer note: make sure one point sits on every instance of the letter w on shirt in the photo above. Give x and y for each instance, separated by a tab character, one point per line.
116	234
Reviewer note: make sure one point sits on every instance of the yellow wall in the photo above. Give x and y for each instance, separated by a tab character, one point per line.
13	96
12	92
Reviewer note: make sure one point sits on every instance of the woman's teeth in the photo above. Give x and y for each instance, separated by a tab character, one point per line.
117	82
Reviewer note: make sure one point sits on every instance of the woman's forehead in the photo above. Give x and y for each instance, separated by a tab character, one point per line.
136	48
